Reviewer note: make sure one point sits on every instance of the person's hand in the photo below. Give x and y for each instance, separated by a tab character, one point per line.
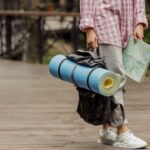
139	32
91	38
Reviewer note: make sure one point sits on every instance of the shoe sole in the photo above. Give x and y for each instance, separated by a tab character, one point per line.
107	142
121	145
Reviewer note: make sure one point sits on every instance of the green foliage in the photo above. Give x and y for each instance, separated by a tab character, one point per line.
147	36
81	40
51	53
148	6
147	32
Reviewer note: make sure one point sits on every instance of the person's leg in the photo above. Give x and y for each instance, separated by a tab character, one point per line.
106	127
112	56
121	129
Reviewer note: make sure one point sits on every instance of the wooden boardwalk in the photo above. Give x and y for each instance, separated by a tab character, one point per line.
38	112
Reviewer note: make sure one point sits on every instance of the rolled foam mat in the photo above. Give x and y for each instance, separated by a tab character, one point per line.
98	80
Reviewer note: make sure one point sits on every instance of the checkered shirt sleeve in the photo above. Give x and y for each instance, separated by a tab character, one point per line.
140	14
87	11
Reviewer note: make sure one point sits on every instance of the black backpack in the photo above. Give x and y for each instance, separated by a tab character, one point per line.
94	108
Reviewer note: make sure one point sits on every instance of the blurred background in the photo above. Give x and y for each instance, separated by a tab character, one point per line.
37	111
48	28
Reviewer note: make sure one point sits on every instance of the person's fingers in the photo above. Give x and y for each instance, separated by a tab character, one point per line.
91	39
140	36
92	44
134	35
96	40
88	43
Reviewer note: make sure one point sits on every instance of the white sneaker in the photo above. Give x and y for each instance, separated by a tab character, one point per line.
107	137
129	140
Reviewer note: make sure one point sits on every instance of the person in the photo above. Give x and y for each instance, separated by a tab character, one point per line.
108	24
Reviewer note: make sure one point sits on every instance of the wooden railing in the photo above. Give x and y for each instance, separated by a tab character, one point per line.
8	15
36	13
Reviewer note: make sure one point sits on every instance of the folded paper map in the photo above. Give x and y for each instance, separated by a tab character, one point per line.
136	59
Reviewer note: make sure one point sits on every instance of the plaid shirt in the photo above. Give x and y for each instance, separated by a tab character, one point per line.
113	20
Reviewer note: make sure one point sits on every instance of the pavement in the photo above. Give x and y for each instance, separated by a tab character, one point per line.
38	112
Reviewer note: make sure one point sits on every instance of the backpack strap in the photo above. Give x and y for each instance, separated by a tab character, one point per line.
72	75
59	67
88	84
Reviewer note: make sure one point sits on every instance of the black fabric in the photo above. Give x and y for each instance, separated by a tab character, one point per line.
86	58
94	108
